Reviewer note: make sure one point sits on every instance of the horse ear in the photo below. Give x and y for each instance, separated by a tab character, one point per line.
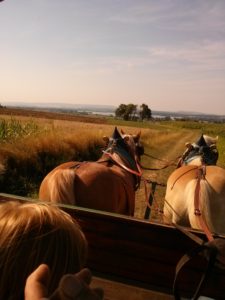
106	139
122	131
201	141
188	145
116	134
215	140
126	138
209	140
138	135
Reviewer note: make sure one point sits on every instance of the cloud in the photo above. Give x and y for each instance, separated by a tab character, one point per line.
208	55
166	14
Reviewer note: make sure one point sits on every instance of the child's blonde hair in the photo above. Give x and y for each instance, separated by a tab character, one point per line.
35	233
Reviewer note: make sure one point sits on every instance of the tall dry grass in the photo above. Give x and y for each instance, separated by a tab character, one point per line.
27	156
26	159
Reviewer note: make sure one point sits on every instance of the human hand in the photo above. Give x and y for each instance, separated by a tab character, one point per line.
76	287
37	283
71	287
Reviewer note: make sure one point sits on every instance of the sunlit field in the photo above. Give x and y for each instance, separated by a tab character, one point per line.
32	146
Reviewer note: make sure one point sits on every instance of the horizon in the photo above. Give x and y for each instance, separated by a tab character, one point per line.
167	54
90	107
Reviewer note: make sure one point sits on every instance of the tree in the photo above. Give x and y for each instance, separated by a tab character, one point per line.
145	112
127	112
131	111
120	111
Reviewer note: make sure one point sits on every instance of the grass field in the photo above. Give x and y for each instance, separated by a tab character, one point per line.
32	143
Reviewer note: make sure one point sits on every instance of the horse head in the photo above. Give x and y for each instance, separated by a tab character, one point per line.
135	147
127	142
116	140
125	150
204	151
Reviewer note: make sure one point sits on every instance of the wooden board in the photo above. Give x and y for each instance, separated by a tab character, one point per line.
114	290
140	253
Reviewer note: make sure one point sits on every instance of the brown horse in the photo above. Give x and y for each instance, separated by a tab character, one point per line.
195	194
109	184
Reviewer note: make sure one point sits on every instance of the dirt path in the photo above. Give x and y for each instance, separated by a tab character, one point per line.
169	152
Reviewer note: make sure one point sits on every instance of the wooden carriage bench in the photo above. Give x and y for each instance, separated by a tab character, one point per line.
134	259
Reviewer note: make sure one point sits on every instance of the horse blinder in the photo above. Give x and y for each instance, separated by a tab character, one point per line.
140	150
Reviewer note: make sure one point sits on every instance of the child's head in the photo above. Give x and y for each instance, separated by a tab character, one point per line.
32	234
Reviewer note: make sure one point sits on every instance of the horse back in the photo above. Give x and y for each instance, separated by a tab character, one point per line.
180	195
214	175
97	185
105	188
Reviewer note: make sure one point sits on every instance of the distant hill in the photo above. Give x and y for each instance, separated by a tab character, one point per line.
188	115
64	106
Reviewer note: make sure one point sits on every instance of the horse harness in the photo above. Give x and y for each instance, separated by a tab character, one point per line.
208	156
212	251
135	165
110	158
201	173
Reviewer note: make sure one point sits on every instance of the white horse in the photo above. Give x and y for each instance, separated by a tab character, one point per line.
195	194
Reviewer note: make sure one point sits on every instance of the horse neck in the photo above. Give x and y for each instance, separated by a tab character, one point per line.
120	160
126	162
125	157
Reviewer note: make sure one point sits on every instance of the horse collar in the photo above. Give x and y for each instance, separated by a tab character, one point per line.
188	160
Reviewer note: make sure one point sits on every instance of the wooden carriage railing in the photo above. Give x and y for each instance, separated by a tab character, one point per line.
140	254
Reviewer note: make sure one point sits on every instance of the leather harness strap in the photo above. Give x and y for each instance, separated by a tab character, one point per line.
211	251
209	248
201	172
137	173
200	175
77	164
175	181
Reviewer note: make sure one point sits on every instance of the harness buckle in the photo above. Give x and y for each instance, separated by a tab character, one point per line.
197	212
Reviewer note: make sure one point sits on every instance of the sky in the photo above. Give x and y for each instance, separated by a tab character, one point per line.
168	54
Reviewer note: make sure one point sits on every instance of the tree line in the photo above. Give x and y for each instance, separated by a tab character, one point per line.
133	112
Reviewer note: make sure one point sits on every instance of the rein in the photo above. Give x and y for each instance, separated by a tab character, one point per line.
208	251
212	251
168	164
